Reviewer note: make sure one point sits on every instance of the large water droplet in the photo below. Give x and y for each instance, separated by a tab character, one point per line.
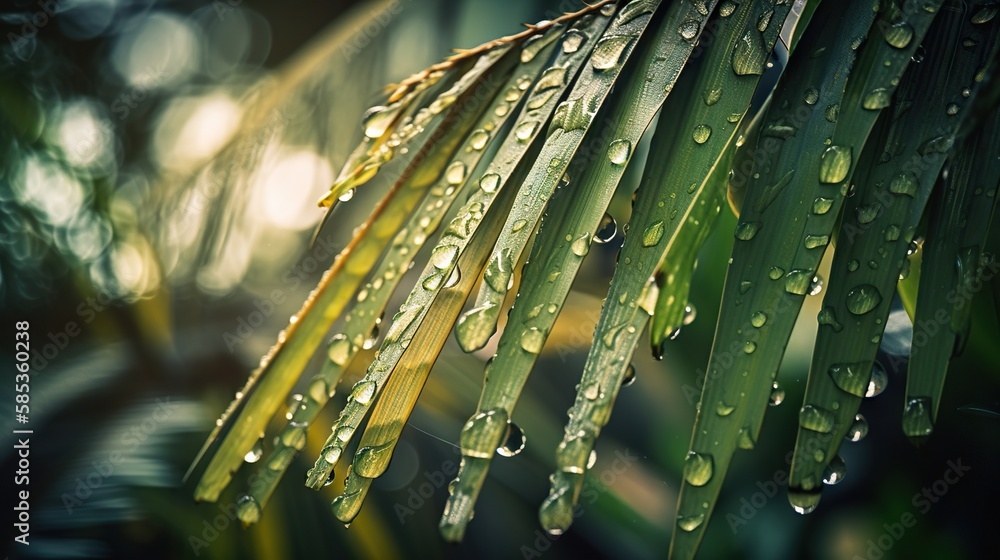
835	471
899	34
581	246
653	234
811	96
863	299
858	429
985	14
878	381
619	151
798	281
697	469
904	183
917	417
690	522
608	51
606	230
745	231
835	164
629	377
878	98
803	501
524	130
489	182
851	377
750	54
443	256
478	139
514	442
816	419
377	120
572	41
777	395
701	133
689	29
532	340
255	452
248	510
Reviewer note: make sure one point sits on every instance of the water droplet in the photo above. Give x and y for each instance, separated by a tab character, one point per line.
478	139
532	340
581	246
489	182
814	241
904	183
653	234
332	455
828	317
775	273
899	34
608	51
697	469
619	151
607	229
816	419
689	29
867	213
723	409
340	351
456	275
690	522
346	196
255	452
377	120
952	109
444	256
749	347
745	231
832	112
758	319
777	395
852	378
247	509
878	381
701	133
455	174
822	205
764	20
750	54
803	501
811	96
798	281
727	8
863	299
917	417
985	14
514	442
815	286
712	96
572	41
363	392
835	471
878	98
629	377
858	429
835	164
525	130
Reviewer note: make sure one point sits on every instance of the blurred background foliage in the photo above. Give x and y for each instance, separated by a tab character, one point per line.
160	167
